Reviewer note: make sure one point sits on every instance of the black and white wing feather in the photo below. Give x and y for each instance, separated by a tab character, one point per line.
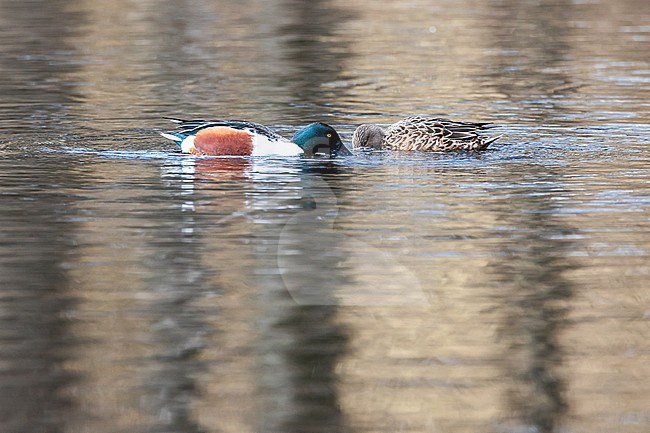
191	127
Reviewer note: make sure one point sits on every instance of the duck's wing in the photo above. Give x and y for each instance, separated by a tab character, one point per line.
433	133
448	125
192	127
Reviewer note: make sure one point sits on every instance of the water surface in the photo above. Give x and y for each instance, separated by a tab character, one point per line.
146	291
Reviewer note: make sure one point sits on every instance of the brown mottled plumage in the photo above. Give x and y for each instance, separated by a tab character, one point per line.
424	134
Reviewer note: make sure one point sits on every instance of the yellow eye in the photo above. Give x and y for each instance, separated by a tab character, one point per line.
329	135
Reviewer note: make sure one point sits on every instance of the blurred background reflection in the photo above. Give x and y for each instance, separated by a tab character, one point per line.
143	291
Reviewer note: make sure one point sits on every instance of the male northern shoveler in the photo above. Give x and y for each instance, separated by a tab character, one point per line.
423	134
242	138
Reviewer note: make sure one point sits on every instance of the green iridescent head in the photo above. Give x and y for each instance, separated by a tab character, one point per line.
320	139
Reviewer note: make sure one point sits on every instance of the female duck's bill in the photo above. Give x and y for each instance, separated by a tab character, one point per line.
242	138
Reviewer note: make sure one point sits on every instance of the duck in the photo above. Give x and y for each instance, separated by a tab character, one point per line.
243	138
422	133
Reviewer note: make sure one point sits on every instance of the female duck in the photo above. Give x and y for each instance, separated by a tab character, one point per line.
424	134
242	138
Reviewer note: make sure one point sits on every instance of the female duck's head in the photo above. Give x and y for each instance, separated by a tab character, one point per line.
368	135
320	139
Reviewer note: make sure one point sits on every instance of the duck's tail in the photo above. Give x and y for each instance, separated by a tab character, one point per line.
487	142
175	119
175	137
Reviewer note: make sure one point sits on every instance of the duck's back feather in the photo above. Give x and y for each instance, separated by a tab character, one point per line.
192	127
436	134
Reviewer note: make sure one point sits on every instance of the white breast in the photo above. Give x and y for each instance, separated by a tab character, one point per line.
263	146
188	144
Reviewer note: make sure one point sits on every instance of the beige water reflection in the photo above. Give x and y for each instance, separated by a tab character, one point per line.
520	328
170	294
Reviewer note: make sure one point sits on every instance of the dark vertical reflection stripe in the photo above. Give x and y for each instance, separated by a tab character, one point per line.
36	231
536	74
314	55
37	60
301	339
535	258
531	270
35	339
178	328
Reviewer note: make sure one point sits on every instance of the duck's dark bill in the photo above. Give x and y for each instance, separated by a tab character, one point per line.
325	151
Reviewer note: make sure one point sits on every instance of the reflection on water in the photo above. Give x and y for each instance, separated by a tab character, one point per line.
535	292
145	291
36	342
